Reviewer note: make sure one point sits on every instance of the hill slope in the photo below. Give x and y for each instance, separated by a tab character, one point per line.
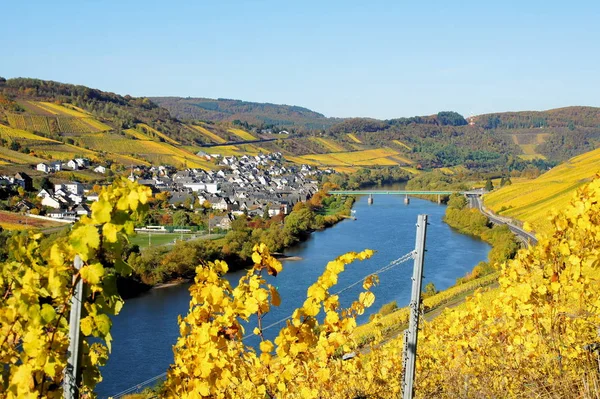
556	134
253	113
92	121
530	201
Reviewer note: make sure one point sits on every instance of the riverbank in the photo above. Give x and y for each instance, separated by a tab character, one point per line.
473	222
161	265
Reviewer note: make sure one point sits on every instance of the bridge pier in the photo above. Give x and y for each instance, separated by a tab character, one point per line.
439	199
370	199
406	199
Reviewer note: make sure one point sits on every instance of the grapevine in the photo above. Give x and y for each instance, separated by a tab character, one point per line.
36	291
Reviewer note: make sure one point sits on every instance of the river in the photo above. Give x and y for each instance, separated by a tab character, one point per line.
146	329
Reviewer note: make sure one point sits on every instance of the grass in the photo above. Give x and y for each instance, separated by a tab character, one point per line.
208	134
242	134
354	138
531	200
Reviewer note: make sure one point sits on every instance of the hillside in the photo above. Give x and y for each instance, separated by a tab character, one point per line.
556	134
221	109
530	201
47	120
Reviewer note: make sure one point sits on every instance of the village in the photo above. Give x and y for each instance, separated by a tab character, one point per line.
261	185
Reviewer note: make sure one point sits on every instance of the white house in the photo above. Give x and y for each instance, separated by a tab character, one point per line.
77	199
45	193
51	202
82	162
213	188
222	204
43	167
100	169
82	209
72	187
72	164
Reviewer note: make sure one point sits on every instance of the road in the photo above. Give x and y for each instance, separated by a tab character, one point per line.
524	236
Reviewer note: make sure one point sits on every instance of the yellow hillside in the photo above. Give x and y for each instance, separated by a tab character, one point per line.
242	134
328	144
377	156
401	144
149	130
22	136
354	138
68	110
9	157
207	133
148	150
530	201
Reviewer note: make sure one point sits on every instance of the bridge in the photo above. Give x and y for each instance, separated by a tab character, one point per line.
406	193
474	197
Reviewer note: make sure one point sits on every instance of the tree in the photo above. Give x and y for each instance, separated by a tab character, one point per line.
430	290
181	218
489	186
266	215
46	184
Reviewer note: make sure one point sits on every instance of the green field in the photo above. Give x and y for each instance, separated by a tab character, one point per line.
143	240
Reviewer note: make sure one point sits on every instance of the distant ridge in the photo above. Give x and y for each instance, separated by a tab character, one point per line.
222	109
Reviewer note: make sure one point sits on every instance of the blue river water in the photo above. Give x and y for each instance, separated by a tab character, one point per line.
145	331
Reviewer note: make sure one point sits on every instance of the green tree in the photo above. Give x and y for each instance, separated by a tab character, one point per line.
181	218
489	186
430	290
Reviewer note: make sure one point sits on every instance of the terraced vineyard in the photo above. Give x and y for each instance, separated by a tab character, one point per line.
64	152
401	144
15	221
354	138
24	137
329	144
55	124
212	137
528	143
355	158
56	109
149	130
8	157
235	150
529	201
150	151
242	134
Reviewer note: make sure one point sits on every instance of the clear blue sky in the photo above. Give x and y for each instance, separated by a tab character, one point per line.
380	59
